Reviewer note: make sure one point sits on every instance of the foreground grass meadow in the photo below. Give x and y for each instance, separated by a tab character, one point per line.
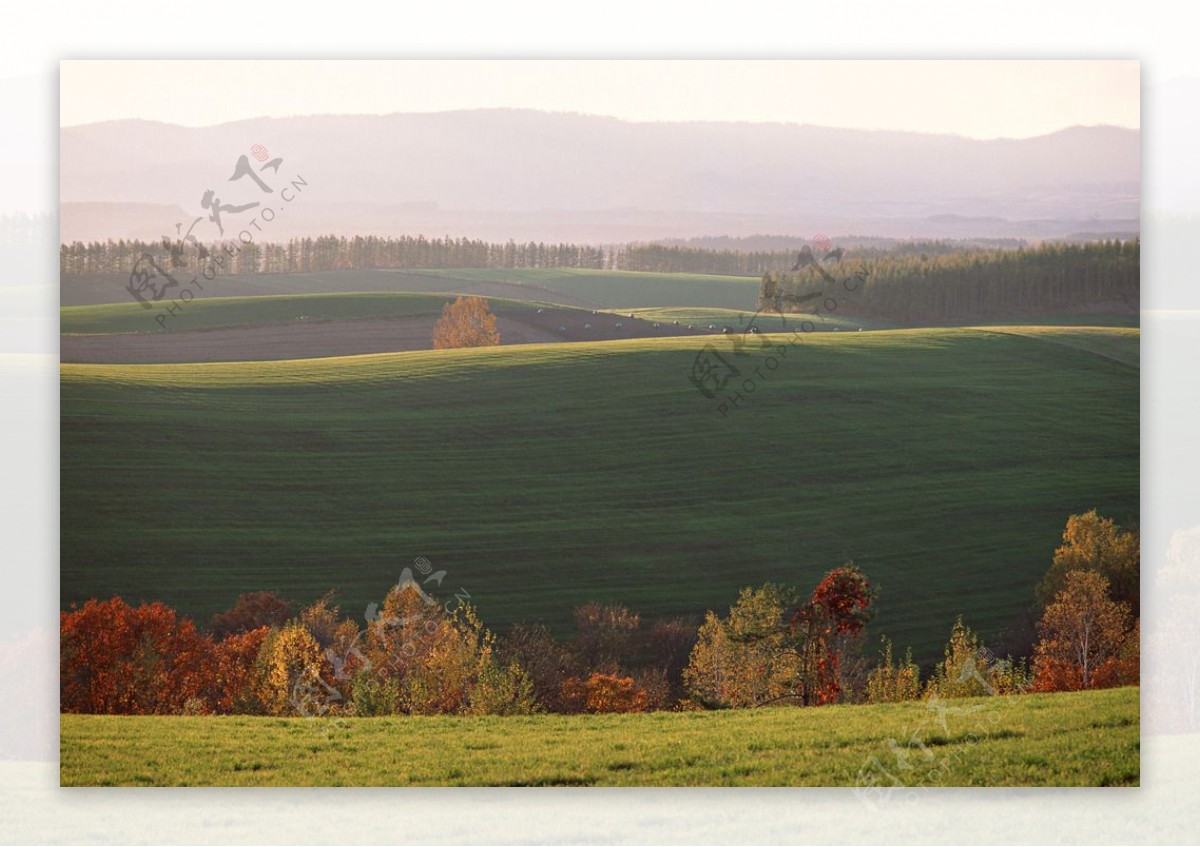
1086	738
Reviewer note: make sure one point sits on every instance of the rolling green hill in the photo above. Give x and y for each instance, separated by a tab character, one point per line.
1120	345
944	462
220	312
567	286
739	319
608	289
1085	738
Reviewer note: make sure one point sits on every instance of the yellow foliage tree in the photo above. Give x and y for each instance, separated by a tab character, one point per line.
965	670
450	668
466	322
293	682
1093	543
1081	631
420	659
401	633
744	659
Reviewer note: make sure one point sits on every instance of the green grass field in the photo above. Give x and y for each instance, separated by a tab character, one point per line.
221	312
1089	738
944	462
593	288
1130	319
612	289
1120	345
739	319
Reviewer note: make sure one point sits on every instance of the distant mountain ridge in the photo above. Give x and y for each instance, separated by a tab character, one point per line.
529	175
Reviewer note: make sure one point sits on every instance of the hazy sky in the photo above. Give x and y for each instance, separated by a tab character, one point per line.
980	99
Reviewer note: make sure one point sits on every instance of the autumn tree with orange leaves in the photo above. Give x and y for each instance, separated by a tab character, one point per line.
773	649
239	674
466	322
748	657
1082	635
118	659
604	693
1093	543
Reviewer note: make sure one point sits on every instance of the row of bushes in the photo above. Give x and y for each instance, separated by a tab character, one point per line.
413	657
416	656
1087	640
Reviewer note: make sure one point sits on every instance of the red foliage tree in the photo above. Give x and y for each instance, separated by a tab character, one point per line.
828	624
117	659
1125	668
844	596
258	608
237	674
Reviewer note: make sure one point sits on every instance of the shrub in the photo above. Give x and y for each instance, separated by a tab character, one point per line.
503	690
572	696
1009	676
964	670
606	635
603	693
372	696
546	662
669	644
894	683
656	686
449	666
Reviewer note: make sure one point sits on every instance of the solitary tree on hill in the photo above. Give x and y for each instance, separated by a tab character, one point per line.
466	322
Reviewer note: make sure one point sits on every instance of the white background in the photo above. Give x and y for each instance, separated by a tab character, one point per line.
34	38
